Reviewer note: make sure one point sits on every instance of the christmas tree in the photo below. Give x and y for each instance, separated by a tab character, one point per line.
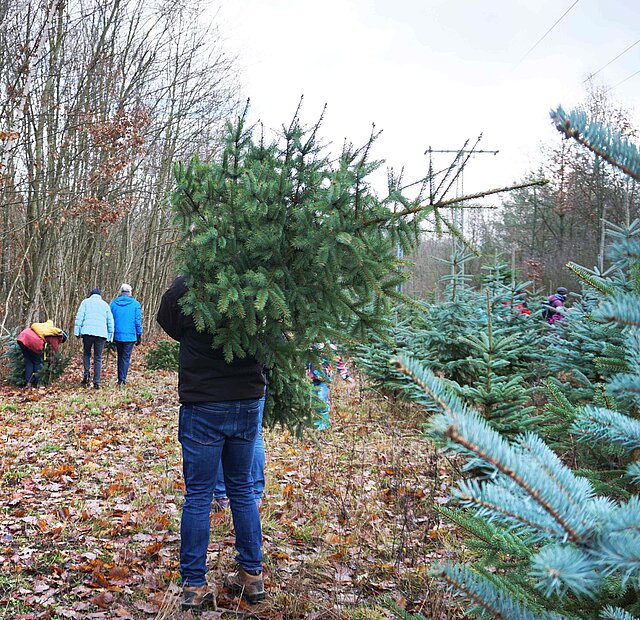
283	247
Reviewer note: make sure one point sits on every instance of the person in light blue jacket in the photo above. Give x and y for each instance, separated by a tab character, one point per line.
127	317
94	323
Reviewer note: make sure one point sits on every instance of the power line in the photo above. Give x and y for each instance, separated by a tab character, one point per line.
613	60
623	81
546	33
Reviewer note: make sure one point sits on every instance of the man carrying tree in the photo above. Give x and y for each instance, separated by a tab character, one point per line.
221	409
281	247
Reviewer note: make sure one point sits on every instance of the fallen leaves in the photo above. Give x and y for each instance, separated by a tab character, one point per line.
92	489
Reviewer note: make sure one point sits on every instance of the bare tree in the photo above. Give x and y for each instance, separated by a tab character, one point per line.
99	99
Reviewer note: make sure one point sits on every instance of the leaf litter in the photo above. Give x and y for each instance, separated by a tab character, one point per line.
91	489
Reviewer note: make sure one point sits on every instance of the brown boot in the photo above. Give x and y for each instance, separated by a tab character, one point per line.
197	597
249	587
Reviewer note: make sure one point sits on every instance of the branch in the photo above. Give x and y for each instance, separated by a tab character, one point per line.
599	139
454	201
452	433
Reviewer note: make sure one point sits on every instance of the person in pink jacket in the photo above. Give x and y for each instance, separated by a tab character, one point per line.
36	343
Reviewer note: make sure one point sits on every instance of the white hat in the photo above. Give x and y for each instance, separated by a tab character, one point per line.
126	289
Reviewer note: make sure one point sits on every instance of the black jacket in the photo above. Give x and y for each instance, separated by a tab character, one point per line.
203	374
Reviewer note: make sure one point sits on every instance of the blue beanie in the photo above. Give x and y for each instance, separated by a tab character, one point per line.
95	291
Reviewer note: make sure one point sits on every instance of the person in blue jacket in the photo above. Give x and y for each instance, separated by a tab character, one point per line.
127	317
94	323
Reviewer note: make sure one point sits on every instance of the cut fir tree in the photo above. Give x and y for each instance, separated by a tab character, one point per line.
283	248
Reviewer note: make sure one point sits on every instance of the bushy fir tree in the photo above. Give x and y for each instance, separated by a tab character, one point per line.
283	247
163	356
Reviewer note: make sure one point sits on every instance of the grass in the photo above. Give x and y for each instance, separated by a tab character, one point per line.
94	484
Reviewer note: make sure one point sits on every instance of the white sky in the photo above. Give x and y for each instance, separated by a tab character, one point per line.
432	72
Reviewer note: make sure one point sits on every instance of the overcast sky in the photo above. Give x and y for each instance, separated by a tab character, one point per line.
433	72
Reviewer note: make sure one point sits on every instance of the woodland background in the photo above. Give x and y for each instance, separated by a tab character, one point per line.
99	99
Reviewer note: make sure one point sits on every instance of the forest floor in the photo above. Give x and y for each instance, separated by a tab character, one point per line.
91	489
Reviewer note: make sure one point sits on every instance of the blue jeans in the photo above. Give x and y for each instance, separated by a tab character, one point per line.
32	364
124	359
97	343
211	433
257	469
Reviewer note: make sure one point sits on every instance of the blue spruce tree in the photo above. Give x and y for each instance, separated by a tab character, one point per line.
549	542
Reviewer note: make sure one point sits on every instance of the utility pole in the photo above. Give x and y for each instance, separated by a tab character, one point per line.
457	213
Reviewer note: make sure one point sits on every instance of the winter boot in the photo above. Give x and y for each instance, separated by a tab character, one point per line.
196	598
249	587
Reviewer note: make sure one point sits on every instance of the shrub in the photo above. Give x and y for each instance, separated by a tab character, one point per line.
163	356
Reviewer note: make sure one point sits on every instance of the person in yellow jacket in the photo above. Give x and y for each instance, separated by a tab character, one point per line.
35	342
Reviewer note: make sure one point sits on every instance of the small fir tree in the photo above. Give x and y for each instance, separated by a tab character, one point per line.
163	356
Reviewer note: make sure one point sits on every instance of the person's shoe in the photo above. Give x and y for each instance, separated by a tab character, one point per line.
85	382
220	503
249	587
96	386
28	385
195	598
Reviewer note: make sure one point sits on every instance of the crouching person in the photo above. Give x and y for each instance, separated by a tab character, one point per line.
221	407
36	342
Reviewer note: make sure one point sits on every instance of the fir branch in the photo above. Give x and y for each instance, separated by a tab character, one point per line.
484	595
600	140
624	310
452	202
492	501
493	537
466	429
626	383
623	250
615	613
618	546
573	490
457	233
562	401
589	278
534	493
598	424
561	568
633	471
